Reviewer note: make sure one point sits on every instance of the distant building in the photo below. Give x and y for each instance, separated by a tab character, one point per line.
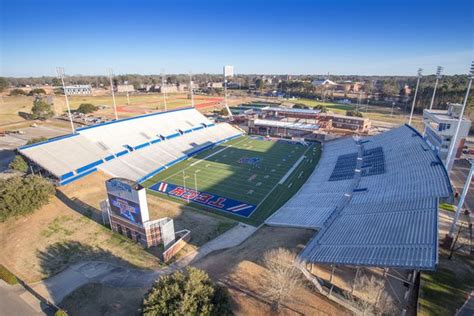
78	90
122	88
215	85
440	127
323	82
353	123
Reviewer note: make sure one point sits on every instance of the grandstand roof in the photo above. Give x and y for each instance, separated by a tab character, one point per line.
292	110
374	201
290	125
132	148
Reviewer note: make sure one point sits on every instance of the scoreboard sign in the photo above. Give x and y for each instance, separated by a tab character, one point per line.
127	200
204	198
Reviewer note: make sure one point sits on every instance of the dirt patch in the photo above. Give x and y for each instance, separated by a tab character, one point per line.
241	271
97	299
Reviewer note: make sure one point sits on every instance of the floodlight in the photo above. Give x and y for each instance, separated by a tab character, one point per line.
439	70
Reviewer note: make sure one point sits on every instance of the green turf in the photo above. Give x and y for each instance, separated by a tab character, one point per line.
218	171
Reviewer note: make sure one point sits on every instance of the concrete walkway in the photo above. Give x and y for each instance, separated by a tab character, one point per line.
56	288
15	300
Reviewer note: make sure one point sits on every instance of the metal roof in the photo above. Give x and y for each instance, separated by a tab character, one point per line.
291	125
387	219
292	110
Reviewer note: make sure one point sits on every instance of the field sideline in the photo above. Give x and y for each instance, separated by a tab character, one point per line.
252	176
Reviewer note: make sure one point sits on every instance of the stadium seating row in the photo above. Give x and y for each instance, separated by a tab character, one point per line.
386	217
130	148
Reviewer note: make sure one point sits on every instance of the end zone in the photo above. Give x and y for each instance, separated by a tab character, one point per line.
204	198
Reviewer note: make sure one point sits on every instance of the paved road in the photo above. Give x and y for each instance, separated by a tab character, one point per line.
458	177
15	301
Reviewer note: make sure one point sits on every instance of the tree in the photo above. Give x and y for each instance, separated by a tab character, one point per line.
188	293
300	106
56	82
3	84
15	92
36	140
42	109
37	91
283	276
23	195
354	113
87	108
259	84
321	107
373	298
18	164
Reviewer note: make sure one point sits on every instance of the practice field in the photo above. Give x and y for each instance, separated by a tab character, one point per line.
247	178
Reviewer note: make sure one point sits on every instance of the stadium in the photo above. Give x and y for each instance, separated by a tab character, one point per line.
371	201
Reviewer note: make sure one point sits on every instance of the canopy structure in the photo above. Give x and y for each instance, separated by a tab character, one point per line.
374	202
133	148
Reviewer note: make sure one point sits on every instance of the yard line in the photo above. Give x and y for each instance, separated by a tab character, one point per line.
274	187
199	161
291	170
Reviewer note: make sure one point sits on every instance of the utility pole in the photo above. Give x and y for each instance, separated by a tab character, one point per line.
191	88
438	76
163	92
454	140
416	92
110	73
449	236
60	72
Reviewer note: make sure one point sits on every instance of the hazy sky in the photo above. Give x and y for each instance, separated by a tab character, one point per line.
295	37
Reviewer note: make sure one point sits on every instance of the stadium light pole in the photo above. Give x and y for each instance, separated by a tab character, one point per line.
163	92
454	140
60	72
191	88
438	76
110	73
461	201
416	92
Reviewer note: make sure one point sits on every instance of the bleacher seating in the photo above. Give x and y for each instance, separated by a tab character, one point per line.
388	186
133	148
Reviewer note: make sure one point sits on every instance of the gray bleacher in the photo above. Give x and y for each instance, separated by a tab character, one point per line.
387	214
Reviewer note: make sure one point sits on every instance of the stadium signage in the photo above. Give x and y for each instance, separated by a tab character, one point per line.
127	200
205	198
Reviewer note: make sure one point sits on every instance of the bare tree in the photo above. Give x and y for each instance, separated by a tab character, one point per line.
372	298
283	276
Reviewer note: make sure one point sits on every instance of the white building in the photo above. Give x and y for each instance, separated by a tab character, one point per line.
121	88
78	89
325	82
440	127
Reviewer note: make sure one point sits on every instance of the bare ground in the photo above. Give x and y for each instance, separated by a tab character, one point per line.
69	230
241	271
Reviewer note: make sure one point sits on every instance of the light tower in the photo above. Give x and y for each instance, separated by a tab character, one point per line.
191	88
110	73
416	92
454	141
163	92
438	76
60	72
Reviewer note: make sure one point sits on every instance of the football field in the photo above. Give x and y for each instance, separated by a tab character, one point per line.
242	178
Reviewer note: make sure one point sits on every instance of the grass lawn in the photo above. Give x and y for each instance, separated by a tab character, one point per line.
247	170
444	291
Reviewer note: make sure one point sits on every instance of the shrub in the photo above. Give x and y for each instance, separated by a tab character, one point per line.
18	164
60	312
42	109
87	108
353	113
7	276
17	92
37	91
300	106
188	293
23	195
36	140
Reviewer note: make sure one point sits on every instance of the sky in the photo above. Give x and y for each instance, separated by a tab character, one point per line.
383	37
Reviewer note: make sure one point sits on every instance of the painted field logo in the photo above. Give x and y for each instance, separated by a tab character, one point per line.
250	160
204	198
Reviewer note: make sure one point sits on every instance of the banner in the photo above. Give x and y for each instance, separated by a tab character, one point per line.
204	198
